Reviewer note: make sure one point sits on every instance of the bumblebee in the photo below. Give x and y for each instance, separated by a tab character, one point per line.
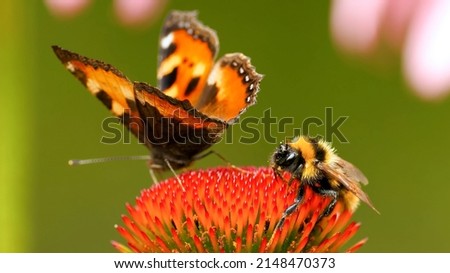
315	164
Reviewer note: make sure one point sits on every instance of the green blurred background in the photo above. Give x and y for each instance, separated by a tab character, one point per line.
47	117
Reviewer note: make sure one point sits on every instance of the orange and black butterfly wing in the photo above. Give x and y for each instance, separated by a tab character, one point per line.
186	69
108	84
187	51
176	131
231	88
197	101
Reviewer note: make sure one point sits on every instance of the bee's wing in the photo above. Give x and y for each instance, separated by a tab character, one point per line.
351	171
349	176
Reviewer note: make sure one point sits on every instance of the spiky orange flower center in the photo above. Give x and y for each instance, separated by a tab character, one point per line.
231	210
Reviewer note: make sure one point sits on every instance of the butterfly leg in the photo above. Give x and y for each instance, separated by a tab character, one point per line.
151	170
210	152
153	176
174	173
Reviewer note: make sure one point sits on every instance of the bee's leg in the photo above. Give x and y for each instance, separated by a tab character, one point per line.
277	175
296	174
291	208
326	192
290	180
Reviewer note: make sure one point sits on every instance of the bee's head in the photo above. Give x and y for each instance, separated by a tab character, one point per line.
287	158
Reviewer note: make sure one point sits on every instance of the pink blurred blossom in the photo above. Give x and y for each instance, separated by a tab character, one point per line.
419	29
137	12
66	8
129	12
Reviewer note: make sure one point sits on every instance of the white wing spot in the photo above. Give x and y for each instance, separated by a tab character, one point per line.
92	85
167	41
251	87
246	78
199	70
128	93
241	70
117	109
70	67
214	76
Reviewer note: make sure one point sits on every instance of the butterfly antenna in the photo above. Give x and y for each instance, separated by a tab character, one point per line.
77	162
174	173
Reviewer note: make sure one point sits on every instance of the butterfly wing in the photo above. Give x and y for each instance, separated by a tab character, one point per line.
186	55
175	129
186	69
231	88
166	120
108	84
171	128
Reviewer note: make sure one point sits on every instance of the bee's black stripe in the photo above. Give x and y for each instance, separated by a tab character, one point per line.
319	151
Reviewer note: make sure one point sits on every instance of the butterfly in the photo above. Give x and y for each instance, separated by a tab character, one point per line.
195	99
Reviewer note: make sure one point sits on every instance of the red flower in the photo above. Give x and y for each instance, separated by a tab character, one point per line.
232	210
